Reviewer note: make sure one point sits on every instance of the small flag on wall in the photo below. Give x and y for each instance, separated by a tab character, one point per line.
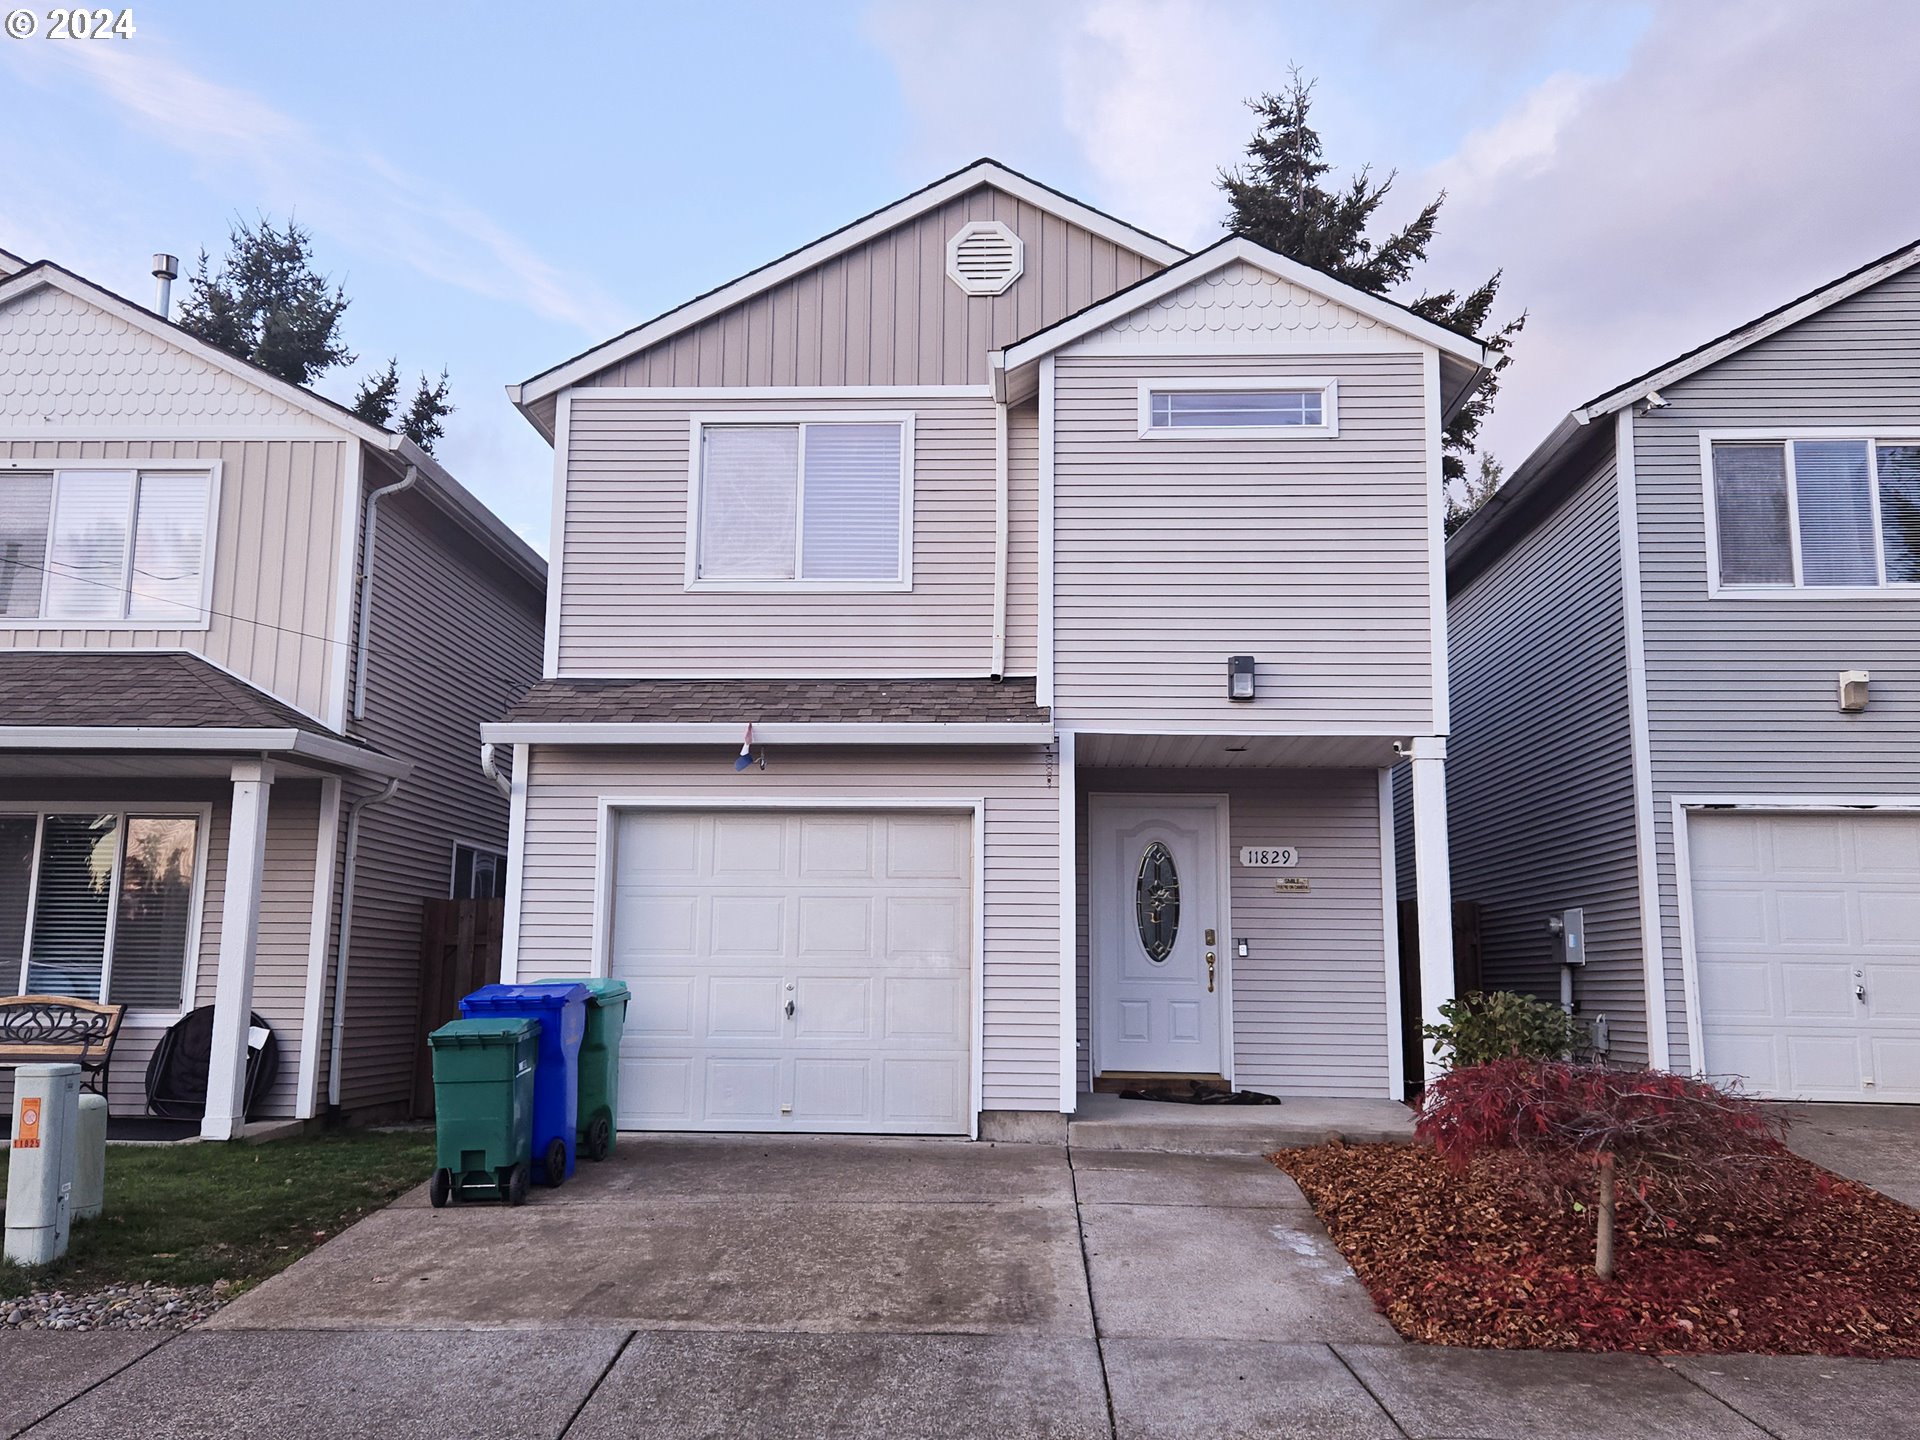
746	752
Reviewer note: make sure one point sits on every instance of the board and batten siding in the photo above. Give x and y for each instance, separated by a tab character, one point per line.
1021	941
275	558
885	313
1310	553
454	637
1540	786
1310	1002
626	609
1741	691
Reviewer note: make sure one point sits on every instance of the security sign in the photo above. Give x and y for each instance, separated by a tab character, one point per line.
26	1134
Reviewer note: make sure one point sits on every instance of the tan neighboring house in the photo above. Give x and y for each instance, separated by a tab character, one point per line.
246	644
1080	594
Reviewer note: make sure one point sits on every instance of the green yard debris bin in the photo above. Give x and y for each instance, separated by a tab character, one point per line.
483	1109
600	1067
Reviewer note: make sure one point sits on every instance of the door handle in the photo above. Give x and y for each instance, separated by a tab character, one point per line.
789	1009
1210	964
1860	993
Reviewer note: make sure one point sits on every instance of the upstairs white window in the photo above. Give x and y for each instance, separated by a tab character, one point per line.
104	547
820	504
1840	513
1238	407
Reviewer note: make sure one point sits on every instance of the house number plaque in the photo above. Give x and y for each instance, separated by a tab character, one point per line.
1269	857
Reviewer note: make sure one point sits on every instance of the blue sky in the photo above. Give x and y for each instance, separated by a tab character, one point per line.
500	186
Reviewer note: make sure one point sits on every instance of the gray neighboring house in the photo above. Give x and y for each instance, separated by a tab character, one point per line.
246	645
1686	669
967	510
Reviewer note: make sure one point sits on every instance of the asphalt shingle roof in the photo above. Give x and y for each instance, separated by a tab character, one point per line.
135	687
613	702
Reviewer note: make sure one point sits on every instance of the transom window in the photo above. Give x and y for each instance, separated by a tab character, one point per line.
104	546
1820	513
98	904
816	503
1236	406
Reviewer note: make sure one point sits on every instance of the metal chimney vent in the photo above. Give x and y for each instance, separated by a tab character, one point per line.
984	258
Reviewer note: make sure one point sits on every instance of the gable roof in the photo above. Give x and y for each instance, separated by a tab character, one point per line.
1497	524
1468	353
948	187
10	263
450	495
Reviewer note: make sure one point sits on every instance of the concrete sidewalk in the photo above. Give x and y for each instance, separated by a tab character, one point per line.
910	1289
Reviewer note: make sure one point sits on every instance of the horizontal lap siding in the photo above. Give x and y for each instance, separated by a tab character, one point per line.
1022	937
454	639
1310	554
1310	1002
885	313
275	559
1540	763
626	606
1741	692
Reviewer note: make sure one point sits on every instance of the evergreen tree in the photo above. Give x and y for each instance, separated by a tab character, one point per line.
268	304
1278	199
377	395
1473	492
430	406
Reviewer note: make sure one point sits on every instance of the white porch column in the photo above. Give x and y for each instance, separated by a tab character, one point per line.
239	937
1433	882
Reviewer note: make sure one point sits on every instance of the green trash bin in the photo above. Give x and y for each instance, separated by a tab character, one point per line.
600	1066
483	1109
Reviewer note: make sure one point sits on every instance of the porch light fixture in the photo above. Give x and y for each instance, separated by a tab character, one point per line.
1240	677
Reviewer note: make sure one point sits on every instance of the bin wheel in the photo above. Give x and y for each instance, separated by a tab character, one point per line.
440	1189
600	1138
555	1163
517	1185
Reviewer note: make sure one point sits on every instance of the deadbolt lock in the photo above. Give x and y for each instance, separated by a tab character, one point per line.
1209	937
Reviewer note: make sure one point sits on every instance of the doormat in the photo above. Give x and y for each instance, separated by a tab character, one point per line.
1198	1092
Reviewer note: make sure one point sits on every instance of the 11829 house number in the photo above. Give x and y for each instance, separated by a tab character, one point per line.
1270	857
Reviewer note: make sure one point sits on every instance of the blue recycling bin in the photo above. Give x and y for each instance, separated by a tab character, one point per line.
562	1013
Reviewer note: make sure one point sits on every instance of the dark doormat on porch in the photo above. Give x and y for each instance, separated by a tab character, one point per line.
1198	1092
150	1128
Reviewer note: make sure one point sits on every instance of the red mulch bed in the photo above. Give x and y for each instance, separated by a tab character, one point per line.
1471	1259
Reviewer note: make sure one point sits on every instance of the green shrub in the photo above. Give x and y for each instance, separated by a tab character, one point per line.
1499	1026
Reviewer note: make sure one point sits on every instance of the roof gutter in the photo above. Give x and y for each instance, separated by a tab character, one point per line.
777	732
299	744
1534	471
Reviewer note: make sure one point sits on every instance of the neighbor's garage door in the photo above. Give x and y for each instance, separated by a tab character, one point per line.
1807	937
795	970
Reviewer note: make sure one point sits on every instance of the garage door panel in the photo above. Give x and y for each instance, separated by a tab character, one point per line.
1807	951
663	850
863	920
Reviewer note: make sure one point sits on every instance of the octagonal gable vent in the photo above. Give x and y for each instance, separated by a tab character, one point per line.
984	258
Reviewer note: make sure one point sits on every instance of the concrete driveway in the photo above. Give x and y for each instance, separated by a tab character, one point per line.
812	1287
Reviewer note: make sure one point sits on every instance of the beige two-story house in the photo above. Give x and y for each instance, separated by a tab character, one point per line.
246	643
980	642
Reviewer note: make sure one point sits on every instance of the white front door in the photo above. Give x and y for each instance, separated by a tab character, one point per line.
795	970
1158	928
1806	938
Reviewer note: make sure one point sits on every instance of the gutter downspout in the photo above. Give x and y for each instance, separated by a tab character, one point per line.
368	529
1000	541
339	1029
492	772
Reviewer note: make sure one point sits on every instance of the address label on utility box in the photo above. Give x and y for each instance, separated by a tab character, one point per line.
1269	857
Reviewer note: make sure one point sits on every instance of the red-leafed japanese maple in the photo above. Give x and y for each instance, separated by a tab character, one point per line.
1670	1139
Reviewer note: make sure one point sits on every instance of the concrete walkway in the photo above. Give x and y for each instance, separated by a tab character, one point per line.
703	1287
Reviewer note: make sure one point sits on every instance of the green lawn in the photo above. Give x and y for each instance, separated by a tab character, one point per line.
193	1214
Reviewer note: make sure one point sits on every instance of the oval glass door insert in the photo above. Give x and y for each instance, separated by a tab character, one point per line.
1156	902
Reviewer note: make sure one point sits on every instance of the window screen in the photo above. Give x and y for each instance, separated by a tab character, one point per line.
1183	409
813	501
1899	467
749	492
1750	513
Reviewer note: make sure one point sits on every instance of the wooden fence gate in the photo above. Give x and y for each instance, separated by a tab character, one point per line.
459	952
1466	979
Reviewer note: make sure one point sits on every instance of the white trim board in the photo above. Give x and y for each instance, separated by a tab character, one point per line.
195	738
773	732
779	392
952	187
516	862
1435	425
326	852
1044	602
975	807
1066	898
1390	940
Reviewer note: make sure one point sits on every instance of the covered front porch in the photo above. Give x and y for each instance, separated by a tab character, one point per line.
1234	922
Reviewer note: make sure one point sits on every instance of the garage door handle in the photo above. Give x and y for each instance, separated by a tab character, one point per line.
789	1009
1860	993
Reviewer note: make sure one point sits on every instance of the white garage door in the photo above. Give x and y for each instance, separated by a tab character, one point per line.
1807	938
795	970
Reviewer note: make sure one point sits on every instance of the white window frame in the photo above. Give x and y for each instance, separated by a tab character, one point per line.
210	468
800	419
1881	589
202	813
1328	428
478	848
